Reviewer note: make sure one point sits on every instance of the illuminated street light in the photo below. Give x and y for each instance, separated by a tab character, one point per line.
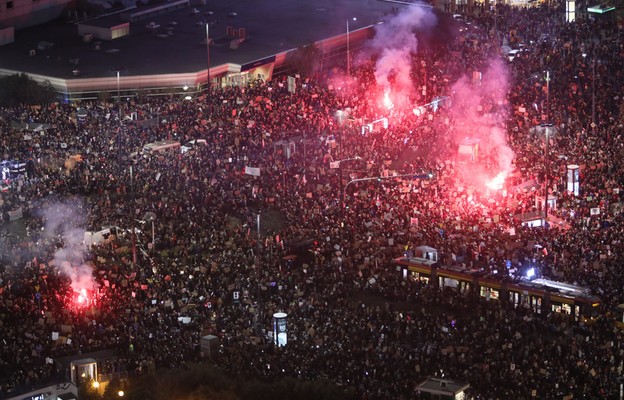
593	87
546	159
95	384
121	393
348	50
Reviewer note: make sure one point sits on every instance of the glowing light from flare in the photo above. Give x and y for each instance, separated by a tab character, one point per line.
386	100
497	182
82	299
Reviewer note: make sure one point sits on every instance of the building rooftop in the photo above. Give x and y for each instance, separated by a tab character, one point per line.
175	42
442	386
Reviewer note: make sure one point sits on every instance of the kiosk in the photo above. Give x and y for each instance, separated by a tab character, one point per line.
573	179
279	329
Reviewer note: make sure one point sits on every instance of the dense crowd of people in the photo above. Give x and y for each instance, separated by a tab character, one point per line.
230	248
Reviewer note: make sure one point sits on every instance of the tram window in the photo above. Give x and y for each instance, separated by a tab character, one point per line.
448	282
556	308
489	293
420	277
566	309
536	304
514	298
464	287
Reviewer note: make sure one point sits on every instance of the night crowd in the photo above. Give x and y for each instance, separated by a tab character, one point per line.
231	248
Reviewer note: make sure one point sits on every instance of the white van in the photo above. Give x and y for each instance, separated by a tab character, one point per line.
161	147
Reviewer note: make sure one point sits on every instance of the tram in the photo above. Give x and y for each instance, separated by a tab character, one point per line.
539	295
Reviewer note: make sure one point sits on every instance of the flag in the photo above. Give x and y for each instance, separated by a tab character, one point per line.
304	180
252	171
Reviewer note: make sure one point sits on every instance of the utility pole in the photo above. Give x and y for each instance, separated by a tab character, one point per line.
594	90
349	50
546	166
133	205
547	96
258	258
208	54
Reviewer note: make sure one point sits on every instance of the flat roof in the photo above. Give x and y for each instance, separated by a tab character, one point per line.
109	21
600	9
442	386
272	28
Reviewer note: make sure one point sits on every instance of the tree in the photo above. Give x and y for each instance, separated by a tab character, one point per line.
304	60
207	393
112	390
21	89
88	391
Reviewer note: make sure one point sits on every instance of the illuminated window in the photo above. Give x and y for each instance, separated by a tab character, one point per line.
491	293
420	277
536	304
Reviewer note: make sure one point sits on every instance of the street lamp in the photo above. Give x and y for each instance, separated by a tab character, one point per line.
547	95
546	159
258	278
348	50
593	86
151	217
341	187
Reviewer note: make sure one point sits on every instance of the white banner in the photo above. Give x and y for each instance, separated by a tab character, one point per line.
291	84
334	164
15	214
252	171
594	211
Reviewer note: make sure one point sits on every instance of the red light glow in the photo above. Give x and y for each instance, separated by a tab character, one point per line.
387	101
82	298
497	182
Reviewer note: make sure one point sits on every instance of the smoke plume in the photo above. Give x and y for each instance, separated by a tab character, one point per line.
64	223
479	111
395	41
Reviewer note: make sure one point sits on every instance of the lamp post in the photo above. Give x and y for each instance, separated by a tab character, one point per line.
341	186
258	257
593	78
117	70
594	90
547	95
349	50
546	159
208	54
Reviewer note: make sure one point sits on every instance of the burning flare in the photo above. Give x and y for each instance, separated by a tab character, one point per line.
386	100
497	182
